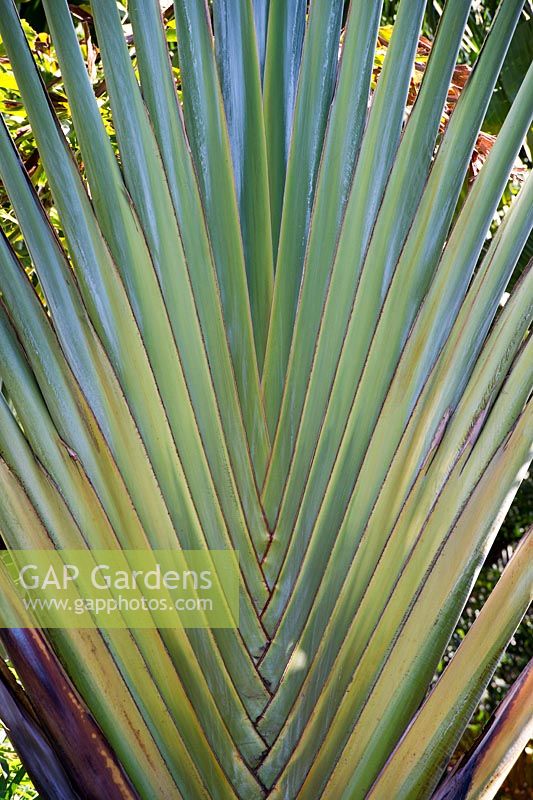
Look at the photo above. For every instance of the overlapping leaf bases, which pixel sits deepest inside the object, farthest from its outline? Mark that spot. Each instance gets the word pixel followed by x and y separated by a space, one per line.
pixel 273 324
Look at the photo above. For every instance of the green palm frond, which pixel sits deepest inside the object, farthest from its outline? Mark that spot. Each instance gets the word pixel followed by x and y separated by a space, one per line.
pixel 267 317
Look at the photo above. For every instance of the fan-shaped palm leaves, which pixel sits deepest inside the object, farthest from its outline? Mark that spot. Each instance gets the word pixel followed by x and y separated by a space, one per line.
pixel 269 327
